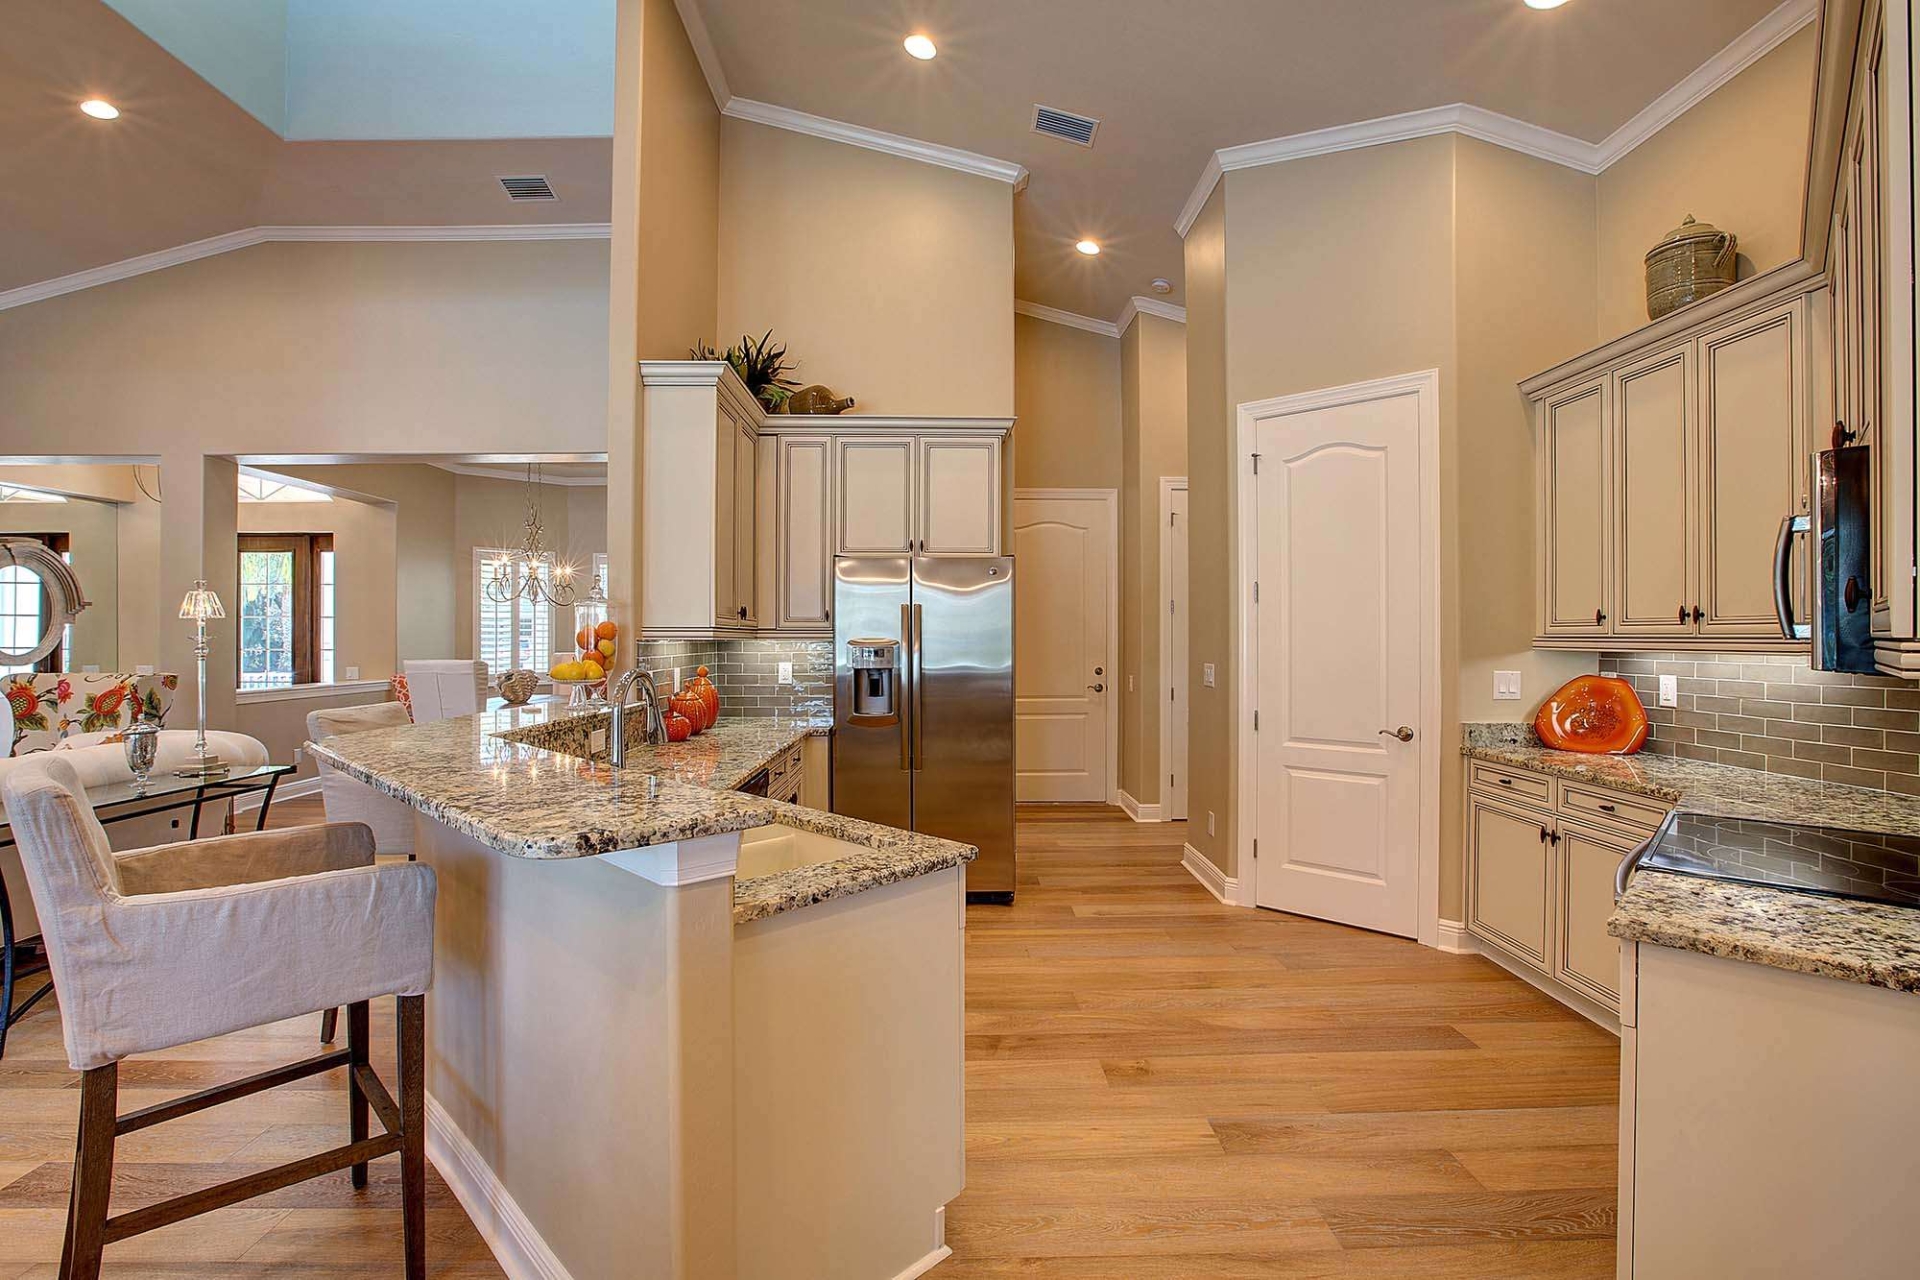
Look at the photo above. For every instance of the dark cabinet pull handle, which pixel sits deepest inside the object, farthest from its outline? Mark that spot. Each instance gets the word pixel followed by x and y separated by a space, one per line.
pixel 1698 613
pixel 1506 782
pixel 1606 808
pixel 1683 613
pixel 1554 836
pixel 1598 617
pixel 1543 833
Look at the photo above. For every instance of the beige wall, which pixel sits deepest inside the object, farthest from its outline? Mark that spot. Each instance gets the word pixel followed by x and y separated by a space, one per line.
pixel 1737 160
pixel 889 280
pixel 1153 399
pixel 490 513
pixel 1067 400
pixel 1210 475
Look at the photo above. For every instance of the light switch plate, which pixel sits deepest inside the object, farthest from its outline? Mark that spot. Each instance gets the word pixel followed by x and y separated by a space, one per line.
pixel 1506 686
pixel 1206 674
pixel 1669 691
pixel 353 673
pixel 786 673
pixel 1209 822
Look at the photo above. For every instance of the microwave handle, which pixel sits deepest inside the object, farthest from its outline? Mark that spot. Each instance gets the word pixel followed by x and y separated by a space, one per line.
pixel 1783 575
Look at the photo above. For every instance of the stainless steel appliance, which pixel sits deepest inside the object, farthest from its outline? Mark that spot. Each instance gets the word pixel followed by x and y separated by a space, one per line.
pixel 1841 626
pixel 1837 862
pixel 923 702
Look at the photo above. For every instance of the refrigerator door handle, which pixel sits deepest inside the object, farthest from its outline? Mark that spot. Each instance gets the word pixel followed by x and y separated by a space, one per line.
pixel 919 670
pixel 909 690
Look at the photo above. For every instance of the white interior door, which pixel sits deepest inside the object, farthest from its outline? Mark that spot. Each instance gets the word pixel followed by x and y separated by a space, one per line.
pixel 1173 663
pixel 1338 650
pixel 1063 644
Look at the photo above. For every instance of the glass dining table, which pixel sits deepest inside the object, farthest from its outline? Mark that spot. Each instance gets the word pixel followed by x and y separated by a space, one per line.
pixel 22 958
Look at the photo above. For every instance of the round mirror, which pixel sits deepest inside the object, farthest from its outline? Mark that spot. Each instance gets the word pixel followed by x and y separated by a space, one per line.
pixel 57 586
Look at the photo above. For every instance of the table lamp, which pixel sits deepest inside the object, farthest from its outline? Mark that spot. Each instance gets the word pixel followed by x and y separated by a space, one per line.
pixel 200 604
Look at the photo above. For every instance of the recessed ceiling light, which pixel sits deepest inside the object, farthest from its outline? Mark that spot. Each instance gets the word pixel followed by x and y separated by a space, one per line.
pixel 1545 4
pixel 100 109
pixel 1088 247
pixel 1163 286
pixel 921 47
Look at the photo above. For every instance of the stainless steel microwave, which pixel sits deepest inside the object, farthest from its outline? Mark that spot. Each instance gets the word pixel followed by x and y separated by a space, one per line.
pixel 1841 625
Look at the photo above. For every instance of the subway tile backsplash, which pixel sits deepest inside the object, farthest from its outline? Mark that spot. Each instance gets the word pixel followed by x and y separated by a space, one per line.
pixel 1774 712
pixel 747 671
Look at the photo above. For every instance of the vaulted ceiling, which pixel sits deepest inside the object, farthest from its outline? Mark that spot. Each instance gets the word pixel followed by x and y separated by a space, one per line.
pixel 1173 80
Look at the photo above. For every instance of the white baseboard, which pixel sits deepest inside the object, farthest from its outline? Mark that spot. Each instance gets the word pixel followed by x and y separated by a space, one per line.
pixel 285 791
pixel 1139 812
pixel 1212 879
pixel 1453 937
pixel 926 1264
pixel 516 1246
pixel 1596 1014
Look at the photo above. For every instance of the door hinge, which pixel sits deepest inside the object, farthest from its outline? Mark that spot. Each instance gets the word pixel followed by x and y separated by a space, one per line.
pixel 1173 695
pixel 1169 779
pixel 1169 519
pixel 1256 848
pixel 1256 591
pixel 1256 722
pixel 1169 608
pixel 1256 464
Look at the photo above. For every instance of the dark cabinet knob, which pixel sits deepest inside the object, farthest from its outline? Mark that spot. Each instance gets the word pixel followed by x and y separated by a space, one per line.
pixel 1698 613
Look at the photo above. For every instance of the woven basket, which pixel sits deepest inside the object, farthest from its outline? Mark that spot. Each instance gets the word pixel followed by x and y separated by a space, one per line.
pixel 1691 262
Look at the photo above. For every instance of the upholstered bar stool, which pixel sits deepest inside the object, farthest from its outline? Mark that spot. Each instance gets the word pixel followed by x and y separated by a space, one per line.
pixel 162 947
pixel 350 800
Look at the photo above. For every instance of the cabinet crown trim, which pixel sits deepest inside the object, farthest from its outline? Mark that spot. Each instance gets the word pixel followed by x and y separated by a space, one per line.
pixel 716 373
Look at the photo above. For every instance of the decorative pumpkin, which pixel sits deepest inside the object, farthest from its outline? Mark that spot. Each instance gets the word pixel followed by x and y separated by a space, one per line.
pixel 687 705
pixel 679 728
pixel 702 688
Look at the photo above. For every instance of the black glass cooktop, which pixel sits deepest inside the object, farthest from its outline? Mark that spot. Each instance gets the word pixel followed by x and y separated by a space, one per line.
pixel 1787 855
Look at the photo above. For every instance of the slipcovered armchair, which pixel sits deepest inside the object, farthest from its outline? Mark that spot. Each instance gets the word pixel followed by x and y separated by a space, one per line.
pixel 162 947
pixel 350 800
pixel 446 687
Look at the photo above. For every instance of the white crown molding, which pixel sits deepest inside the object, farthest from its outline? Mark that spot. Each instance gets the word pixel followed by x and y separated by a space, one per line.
pixel 1138 306
pixel 1071 319
pixel 892 144
pixel 1505 131
pixel 695 24
pixel 485 473
pixel 212 246
pixel 1755 43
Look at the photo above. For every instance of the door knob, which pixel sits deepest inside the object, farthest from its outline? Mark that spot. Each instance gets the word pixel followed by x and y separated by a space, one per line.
pixel 1098 688
pixel 1404 733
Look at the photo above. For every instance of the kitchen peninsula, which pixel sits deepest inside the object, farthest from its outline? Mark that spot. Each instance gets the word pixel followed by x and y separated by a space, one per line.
pixel 677 1030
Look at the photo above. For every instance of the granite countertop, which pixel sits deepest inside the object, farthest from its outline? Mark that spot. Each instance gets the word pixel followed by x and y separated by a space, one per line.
pixel 1877 944
pixel 505 777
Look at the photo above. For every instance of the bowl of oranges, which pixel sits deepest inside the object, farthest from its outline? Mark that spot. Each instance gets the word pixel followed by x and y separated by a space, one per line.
pixel 586 675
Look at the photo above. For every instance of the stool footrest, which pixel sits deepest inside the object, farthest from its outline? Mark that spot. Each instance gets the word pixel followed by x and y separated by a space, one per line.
pixel 134 1121
pixel 168 1212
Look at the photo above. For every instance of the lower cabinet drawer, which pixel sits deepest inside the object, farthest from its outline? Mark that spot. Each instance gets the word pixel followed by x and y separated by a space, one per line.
pixel 1509 879
pixel 1611 806
pixel 1510 782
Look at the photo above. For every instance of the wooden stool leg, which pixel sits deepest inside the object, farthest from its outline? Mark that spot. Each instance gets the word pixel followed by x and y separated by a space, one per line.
pixel 357 1037
pixel 413 1128
pixel 329 1025
pixel 92 1175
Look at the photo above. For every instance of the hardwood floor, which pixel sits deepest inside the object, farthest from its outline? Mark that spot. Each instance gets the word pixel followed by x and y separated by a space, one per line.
pixel 1162 1086
pixel 1158 1086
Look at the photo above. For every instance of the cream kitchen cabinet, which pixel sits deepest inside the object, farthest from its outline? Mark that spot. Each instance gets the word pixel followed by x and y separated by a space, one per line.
pixel 1541 854
pixel 803 547
pixel 933 494
pixel 698 502
pixel 1665 466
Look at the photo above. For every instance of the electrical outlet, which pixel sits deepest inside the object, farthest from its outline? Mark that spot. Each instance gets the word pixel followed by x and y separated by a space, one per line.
pixel 92 669
pixel 1129 684
pixel 673 680
pixel 1206 674
pixel 143 670
pixel 299 754
pixel 1506 686
pixel 786 673
pixel 1209 822
pixel 1669 691
pixel 597 740
pixel 353 673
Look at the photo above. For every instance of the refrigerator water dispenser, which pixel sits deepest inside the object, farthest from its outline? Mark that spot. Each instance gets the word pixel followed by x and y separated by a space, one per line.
pixel 872 662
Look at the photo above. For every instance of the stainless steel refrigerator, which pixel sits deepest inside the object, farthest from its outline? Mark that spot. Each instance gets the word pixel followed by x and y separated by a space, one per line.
pixel 923 702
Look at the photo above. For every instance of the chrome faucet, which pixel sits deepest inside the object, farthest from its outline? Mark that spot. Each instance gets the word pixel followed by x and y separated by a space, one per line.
pixel 656 725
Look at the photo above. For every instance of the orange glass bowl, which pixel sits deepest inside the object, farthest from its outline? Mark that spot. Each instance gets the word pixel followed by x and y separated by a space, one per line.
pixel 1600 715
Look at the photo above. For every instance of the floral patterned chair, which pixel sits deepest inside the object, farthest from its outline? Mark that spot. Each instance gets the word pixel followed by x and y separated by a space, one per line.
pixel 50 706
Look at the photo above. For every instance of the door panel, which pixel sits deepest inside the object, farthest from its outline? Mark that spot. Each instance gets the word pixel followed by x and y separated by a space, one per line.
pixel 872 768
pixel 1655 592
pixel 1574 486
pixel 805 549
pixel 1507 878
pixel 1173 806
pixel 874 495
pixel 745 526
pixel 1752 445
pixel 726 598
pixel 960 496
pixel 1338 656
pixel 1585 956
pixel 1064 548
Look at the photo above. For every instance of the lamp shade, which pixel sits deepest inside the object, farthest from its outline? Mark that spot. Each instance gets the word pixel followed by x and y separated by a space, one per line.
pixel 201 603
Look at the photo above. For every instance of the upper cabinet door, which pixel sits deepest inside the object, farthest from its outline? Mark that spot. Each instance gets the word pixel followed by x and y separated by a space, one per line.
pixel 1575 486
pixel 1754 404
pixel 805 542
pixel 873 482
pixel 1654 588
pixel 726 598
pixel 745 526
pixel 959 496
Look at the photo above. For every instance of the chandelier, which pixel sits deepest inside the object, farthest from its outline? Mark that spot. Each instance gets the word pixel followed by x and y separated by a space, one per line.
pixel 531 571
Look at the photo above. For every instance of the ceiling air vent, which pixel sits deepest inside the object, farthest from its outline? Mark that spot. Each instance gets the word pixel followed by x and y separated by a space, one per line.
pixel 530 188
pixel 1078 130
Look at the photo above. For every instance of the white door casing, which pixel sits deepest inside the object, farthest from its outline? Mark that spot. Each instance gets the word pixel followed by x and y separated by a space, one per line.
pixel 1172 692
pixel 1339 608
pixel 1065 542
